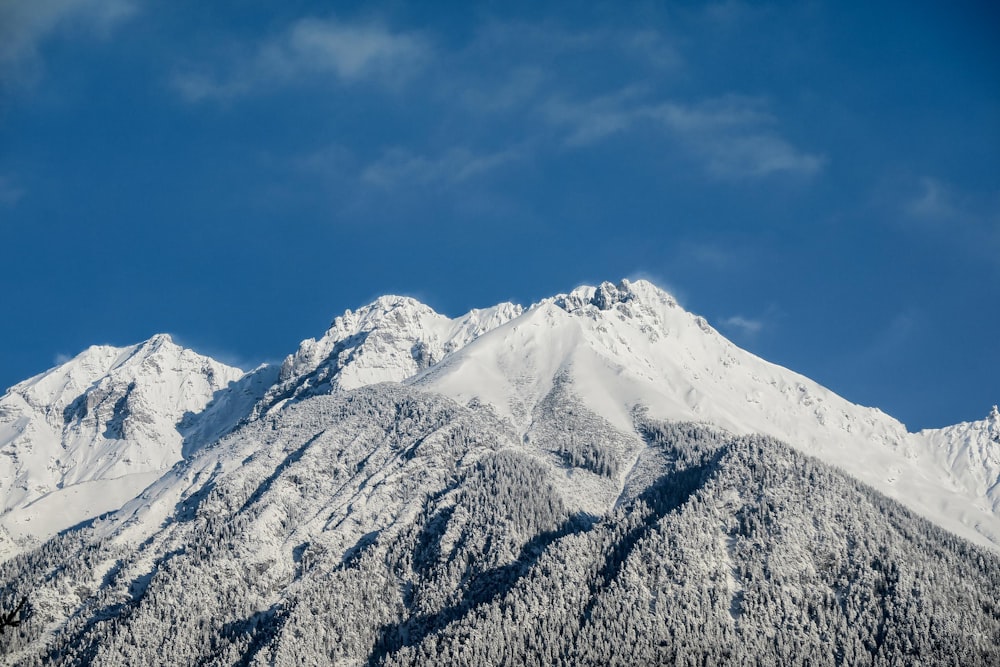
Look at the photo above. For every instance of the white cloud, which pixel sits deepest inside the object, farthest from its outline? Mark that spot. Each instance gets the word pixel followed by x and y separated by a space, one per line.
pixel 733 137
pixel 453 166
pixel 540 42
pixel 25 24
pixel 311 47
pixel 745 325
pixel 595 119
pixel 754 155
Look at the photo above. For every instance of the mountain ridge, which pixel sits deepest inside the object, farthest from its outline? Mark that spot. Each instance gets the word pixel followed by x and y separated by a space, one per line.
pixel 617 347
pixel 80 439
pixel 599 475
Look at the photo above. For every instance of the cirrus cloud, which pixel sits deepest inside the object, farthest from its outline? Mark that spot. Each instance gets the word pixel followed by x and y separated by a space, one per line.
pixel 310 47
pixel 24 26
pixel 733 137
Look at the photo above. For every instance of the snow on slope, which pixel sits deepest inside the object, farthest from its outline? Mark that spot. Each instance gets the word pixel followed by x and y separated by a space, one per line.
pixel 86 436
pixel 130 413
pixel 388 340
pixel 631 345
pixel 971 451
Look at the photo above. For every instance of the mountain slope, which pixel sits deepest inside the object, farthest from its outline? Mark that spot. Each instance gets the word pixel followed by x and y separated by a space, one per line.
pixel 389 340
pixel 86 436
pixel 599 477
pixel 615 348
pixel 971 452
pixel 631 346
pixel 390 526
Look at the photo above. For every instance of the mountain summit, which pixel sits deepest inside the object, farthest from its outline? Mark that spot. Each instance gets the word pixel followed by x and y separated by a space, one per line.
pixel 601 474
pixel 84 437
pixel 619 348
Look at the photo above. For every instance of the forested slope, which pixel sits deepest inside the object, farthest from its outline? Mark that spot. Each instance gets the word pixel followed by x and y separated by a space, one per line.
pixel 390 526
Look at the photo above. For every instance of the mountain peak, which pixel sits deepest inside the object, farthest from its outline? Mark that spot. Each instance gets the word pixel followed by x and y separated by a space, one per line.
pixel 607 295
pixel 390 339
pixel 381 306
pixel 158 341
pixel 109 413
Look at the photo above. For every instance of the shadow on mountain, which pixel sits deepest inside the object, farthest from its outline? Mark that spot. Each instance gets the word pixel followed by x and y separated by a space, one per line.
pixel 666 494
pixel 229 407
pixel 483 588
pixel 288 461
pixel 320 380
pixel 256 631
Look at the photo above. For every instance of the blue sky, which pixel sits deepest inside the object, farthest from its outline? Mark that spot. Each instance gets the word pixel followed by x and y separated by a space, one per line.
pixel 821 180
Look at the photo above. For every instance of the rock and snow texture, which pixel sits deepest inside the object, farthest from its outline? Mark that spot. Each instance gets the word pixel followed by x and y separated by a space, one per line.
pixel 568 375
pixel 389 340
pixel 970 451
pixel 630 346
pixel 86 436
pixel 391 526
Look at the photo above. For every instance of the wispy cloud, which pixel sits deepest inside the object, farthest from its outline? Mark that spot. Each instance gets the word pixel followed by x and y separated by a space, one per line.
pixel 399 166
pixel 25 24
pixel 744 325
pixel 547 40
pixel 652 47
pixel 349 53
pixel 888 341
pixel 734 137
pixel 709 255
pixel 592 120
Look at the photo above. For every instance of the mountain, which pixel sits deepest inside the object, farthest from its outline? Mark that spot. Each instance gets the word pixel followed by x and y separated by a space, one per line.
pixel 600 478
pixel 84 437
pixel 971 451
pixel 392 526
pixel 389 340
pixel 631 345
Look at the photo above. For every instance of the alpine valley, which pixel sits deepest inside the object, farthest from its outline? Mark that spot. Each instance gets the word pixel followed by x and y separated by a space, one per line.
pixel 598 479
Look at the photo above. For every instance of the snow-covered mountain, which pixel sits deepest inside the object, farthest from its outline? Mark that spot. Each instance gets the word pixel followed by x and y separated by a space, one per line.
pixel 970 452
pixel 408 487
pixel 389 340
pixel 84 437
pixel 628 346
pixel 392 526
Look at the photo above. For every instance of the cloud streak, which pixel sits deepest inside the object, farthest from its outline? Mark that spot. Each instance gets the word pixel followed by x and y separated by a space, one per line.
pixel 745 325
pixel 733 137
pixel 24 26
pixel 454 166
pixel 347 53
pixel 934 202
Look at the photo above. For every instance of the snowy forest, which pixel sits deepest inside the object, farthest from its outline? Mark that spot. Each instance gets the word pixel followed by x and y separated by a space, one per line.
pixel 390 526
